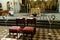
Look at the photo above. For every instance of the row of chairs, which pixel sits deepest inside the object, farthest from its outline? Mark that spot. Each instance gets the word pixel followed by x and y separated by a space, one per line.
pixel 29 29
pixel 24 21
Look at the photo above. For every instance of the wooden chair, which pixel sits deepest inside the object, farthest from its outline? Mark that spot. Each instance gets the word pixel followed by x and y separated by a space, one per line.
pixel 17 29
pixel 29 29
pixel 14 29
pixel 20 21
pixel 5 12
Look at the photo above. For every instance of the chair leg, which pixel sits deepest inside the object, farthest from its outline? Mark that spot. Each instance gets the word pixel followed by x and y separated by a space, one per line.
pixel 32 36
pixel 17 35
pixel 23 36
pixel 9 34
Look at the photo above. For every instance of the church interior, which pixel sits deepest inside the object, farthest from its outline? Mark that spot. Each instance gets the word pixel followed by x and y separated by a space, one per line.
pixel 29 19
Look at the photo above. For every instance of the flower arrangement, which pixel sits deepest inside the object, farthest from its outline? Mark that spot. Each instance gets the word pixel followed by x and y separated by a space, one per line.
pixel 34 14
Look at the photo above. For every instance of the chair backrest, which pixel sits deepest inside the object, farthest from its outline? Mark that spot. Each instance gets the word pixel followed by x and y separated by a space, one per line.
pixel 31 21
pixel 20 21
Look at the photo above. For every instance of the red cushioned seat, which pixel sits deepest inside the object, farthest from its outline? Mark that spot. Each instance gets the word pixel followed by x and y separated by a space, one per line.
pixel 28 29
pixel 31 26
pixel 15 29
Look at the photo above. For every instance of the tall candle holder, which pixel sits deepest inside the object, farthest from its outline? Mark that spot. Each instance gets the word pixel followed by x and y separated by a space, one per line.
pixel 50 20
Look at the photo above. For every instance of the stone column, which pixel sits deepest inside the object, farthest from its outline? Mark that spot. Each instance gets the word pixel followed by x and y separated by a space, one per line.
pixel 18 5
pixel 15 6
pixel 59 5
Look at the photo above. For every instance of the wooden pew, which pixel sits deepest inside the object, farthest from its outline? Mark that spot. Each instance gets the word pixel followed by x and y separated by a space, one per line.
pixel 4 12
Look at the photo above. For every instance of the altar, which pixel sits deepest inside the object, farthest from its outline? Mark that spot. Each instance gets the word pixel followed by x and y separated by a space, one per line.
pixel 37 10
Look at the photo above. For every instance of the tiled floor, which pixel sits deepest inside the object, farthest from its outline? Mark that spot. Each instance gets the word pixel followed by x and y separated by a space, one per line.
pixel 3 31
pixel 41 33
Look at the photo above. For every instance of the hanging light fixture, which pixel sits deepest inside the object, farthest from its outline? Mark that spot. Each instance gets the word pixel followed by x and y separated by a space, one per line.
pixel 50 0
pixel 35 0
pixel 46 0
pixel 30 0
pixel 40 0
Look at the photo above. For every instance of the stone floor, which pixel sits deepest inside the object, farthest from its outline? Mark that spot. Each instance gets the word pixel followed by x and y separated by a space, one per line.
pixel 3 31
pixel 41 34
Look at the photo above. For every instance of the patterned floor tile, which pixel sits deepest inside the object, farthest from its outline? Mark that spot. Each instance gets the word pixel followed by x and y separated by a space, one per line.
pixel 41 34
